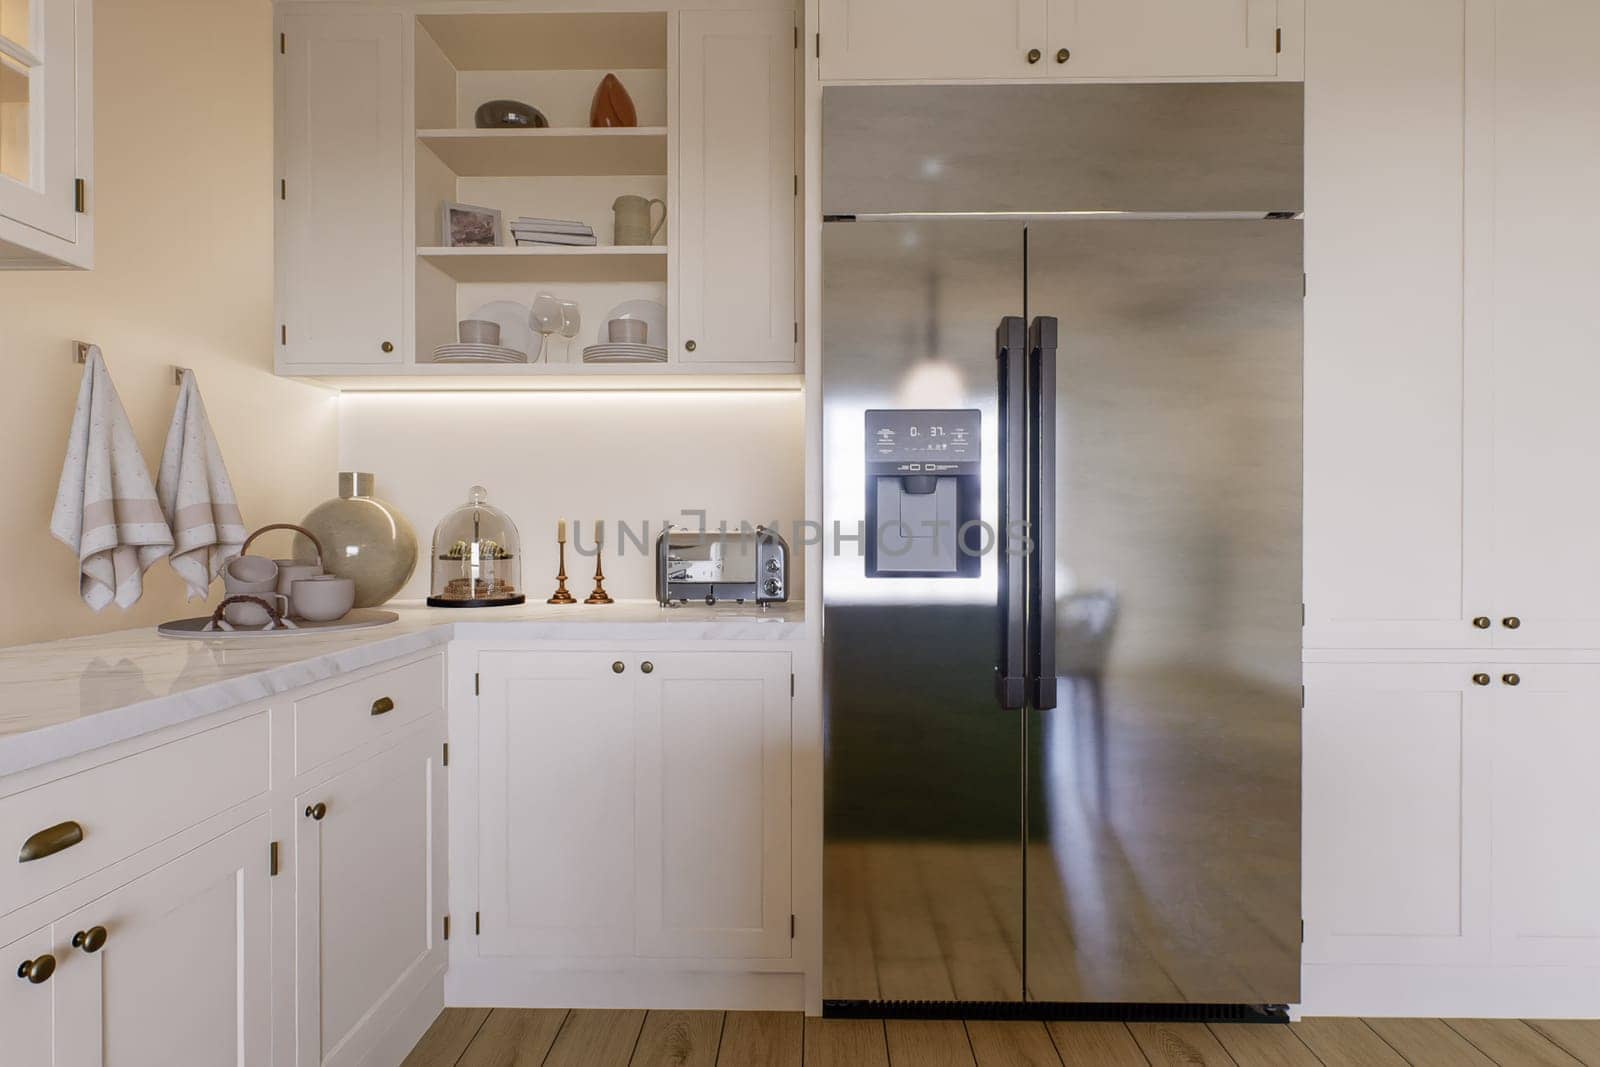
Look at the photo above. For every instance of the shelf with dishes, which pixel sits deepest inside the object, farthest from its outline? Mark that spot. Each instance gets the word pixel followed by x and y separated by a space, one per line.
pixel 489 153
pixel 641 263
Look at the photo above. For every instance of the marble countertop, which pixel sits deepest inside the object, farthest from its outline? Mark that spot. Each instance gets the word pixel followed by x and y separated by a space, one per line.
pixel 62 698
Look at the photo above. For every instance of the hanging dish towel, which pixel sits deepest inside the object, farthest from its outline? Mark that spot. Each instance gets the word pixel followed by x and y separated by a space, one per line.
pixel 196 495
pixel 106 509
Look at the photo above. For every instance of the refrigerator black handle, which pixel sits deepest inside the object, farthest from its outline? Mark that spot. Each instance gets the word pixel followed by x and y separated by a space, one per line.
pixel 1011 359
pixel 1041 667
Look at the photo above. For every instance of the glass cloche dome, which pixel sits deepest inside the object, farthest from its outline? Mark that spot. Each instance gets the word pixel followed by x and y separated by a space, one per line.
pixel 477 556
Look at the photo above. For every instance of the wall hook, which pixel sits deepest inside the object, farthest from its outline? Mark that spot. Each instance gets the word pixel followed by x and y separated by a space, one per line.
pixel 80 351
pixel 177 375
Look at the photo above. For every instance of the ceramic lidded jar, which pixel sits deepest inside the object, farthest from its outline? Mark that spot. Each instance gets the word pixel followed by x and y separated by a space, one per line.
pixel 477 556
pixel 363 538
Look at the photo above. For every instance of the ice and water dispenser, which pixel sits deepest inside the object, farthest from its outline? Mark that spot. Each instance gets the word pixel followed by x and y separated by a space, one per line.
pixel 923 494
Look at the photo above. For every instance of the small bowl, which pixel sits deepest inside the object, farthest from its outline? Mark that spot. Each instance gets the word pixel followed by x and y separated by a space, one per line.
pixel 628 331
pixel 323 598
pixel 478 332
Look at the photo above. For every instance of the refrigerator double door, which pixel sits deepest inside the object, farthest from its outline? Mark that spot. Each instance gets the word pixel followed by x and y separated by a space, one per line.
pixel 1139 842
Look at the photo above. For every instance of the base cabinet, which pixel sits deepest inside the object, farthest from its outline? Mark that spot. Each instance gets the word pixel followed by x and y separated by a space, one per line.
pixel 30 1010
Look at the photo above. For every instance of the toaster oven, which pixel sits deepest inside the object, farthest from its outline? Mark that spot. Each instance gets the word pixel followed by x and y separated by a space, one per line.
pixel 740 566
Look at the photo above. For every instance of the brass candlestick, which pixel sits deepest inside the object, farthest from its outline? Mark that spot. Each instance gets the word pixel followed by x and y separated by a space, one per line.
pixel 599 596
pixel 561 596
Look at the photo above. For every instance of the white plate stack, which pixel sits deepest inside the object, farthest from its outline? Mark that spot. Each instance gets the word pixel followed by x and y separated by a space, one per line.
pixel 471 353
pixel 621 352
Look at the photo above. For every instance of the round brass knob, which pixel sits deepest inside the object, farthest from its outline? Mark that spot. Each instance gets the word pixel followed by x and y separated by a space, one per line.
pixel 1034 55
pixel 1063 54
pixel 38 971
pixel 647 666
pixel 317 811
pixel 1480 679
pixel 1481 622
pixel 1511 622
pixel 90 940
pixel 1511 679
pixel 387 346
pixel 688 346
pixel 618 667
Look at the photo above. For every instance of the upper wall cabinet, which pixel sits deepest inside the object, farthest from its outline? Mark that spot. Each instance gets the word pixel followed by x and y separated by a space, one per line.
pixel 1115 40
pixel 735 262
pixel 1448 431
pixel 46 143
pixel 342 162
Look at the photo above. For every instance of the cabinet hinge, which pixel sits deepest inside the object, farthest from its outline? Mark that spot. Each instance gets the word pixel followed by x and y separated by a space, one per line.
pixel 819 46
pixel 477 922
pixel 1302 698
pixel 1279 45
pixel 283 44
pixel 791 685
pixel 283 188
pixel 283 334
pixel 791 927
pixel 447 927
pixel 272 860
pixel 80 196
pixel 476 681
pixel 447 753
pixel 1302 613
pixel 1302 931
pixel 797 185
pixel 1305 285
pixel 797 37
pixel 797 333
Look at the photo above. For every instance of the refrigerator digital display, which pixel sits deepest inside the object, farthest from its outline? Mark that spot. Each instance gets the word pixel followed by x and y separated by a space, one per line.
pixel 894 436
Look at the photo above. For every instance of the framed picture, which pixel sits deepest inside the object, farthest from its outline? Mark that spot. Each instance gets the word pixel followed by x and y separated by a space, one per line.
pixel 468 225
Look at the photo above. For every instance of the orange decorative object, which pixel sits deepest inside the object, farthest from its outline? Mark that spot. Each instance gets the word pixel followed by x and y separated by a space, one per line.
pixel 612 106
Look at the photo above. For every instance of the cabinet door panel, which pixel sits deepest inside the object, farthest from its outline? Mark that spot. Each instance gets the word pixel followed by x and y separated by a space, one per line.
pixel 1546 168
pixel 28 1012
pixel 1164 38
pixel 342 151
pixel 713 805
pixel 1394 538
pixel 365 914
pixel 931 39
pixel 184 974
pixel 555 836
pixel 1546 793
pixel 733 235
pixel 39 116
pixel 1396 813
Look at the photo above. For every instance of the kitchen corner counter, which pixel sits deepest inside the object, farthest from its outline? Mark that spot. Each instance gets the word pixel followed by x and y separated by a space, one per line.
pixel 62 698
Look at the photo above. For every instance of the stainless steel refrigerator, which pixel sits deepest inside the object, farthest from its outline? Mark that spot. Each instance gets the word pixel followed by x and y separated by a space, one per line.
pixel 1062 777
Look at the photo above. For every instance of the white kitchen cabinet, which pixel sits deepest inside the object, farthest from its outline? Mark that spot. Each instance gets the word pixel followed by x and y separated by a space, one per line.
pixel 1396 813
pixel 343 157
pixel 369 905
pixel 634 804
pixel 732 274
pixel 183 972
pixel 712 814
pixel 1039 40
pixel 46 133
pixel 1546 730
pixel 31 1012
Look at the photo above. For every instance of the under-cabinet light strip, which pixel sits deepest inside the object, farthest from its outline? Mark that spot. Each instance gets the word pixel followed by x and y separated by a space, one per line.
pixel 687 392
pixel 1046 216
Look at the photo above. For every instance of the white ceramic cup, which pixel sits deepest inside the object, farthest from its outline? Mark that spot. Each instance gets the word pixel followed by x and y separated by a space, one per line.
pixel 291 571
pixel 628 331
pixel 478 332
pixel 249 569
pixel 323 598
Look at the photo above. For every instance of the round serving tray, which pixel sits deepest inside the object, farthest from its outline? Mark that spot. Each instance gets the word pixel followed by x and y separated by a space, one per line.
pixel 497 602
pixel 195 629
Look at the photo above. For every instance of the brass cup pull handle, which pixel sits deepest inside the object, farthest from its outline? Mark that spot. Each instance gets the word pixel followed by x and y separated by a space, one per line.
pixel 38 971
pixel 1481 622
pixel 50 840
pixel 383 705
pixel 90 940
pixel 647 666
pixel 1063 54
pixel 1511 622
pixel 1034 55
pixel 317 811
pixel 1511 679
pixel 1480 679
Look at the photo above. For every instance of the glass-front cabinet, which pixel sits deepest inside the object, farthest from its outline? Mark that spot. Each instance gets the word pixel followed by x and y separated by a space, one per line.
pixel 45 148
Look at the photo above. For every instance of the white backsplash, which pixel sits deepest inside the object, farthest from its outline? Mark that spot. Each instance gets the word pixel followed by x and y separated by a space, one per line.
pixel 581 455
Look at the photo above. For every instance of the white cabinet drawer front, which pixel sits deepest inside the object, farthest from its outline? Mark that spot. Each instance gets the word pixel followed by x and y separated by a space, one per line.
pixel 28 1011
pixel 341 720
pixel 1395 814
pixel 128 804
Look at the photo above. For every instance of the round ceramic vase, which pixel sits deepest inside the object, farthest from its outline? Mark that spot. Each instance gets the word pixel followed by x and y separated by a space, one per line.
pixel 363 539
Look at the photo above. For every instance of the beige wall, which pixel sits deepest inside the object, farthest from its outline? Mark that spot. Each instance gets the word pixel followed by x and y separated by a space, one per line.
pixel 183 275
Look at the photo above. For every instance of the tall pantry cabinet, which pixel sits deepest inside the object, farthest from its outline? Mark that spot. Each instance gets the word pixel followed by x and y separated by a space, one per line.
pixel 1452 540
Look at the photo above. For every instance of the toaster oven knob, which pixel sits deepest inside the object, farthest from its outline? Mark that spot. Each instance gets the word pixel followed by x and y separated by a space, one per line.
pixel 773 566
pixel 773 587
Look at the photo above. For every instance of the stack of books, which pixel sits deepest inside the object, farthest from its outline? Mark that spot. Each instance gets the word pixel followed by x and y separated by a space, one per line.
pixel 531 231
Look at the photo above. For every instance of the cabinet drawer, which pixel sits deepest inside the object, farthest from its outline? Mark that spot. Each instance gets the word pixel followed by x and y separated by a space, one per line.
pixel 128 804
pixel 341 720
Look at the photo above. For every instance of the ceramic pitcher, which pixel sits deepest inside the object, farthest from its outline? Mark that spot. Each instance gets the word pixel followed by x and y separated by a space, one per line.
pixel 633 220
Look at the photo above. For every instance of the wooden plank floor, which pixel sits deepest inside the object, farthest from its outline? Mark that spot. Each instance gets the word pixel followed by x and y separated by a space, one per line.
pixel 509 1037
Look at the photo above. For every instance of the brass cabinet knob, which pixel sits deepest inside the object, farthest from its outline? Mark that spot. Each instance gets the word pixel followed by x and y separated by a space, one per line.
pixel 618 667
pixel 387 346
pixel 38 971
pixel 1511 679
pixel 90 940
pixel 1063 54
pixel 688 346
pixel 1034 55
pixel 1511 622
pixel 317 811
pixel 382 705
pixel 1481 622
pixel 1480 679
pixel 647 666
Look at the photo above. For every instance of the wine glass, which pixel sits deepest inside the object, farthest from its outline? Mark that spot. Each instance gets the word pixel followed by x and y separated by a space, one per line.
pixel 545 318
pixel 571 323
